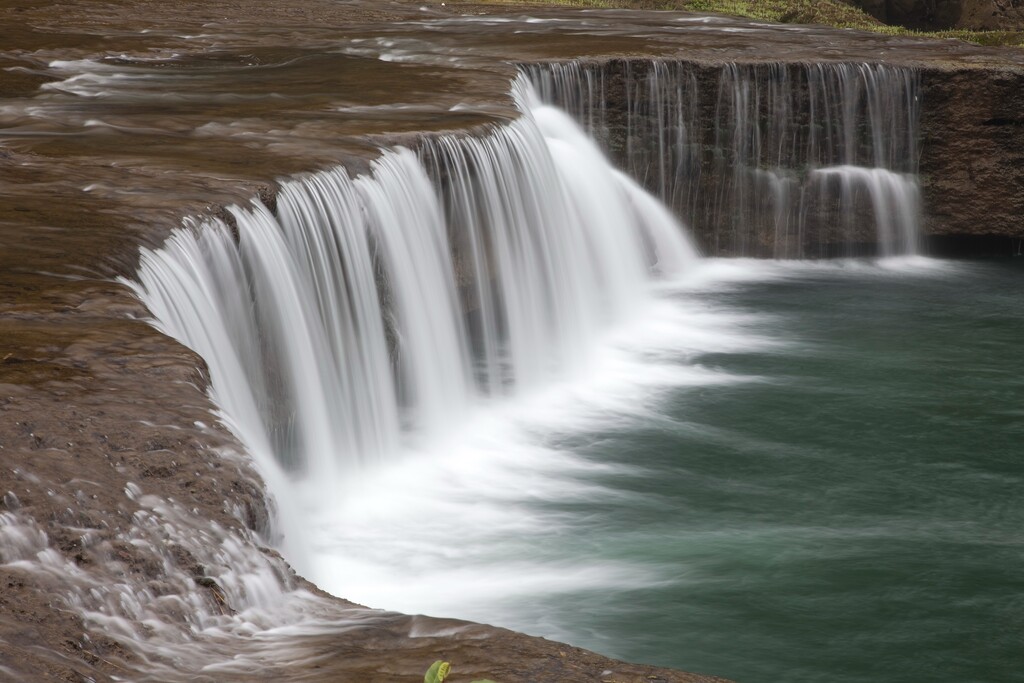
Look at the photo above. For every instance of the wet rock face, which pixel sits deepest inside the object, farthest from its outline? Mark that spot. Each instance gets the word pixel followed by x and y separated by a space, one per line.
pixel 972 153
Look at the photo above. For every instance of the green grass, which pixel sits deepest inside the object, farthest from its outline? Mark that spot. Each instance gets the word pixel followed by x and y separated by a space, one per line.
pixel 825 12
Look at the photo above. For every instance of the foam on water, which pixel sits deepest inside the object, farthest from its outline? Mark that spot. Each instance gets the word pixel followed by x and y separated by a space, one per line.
pixel 462 529
pixel 482 526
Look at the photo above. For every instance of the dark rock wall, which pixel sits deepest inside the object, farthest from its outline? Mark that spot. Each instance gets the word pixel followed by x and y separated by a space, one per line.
pixel 919 14
pixel 945 14
pixel 972 153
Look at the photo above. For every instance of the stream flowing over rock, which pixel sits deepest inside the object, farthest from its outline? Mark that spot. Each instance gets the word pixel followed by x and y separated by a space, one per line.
pixel 300 192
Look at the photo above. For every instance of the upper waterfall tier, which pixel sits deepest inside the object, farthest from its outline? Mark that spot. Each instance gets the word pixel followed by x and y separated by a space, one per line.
pixel 781 160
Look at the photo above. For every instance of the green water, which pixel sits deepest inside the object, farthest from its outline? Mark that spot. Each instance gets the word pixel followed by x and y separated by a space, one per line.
pixel 854 514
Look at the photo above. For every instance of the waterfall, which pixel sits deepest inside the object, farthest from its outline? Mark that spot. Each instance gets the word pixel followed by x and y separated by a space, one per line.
pixel 370 314
pixel 761 159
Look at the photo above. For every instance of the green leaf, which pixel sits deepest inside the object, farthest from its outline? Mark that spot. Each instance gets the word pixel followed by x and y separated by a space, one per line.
pixel 437 672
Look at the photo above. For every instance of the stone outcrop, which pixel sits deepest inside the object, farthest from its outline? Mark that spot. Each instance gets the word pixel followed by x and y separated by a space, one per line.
pixel 998 15
pixel 1004 15
pixel 972 153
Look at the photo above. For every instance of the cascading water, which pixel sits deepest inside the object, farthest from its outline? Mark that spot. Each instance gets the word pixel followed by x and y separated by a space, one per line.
pixel 464 376
pixel 762 159
pixel 373 315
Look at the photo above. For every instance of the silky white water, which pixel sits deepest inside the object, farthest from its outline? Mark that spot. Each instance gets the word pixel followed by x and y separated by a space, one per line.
pixel 481 524
pixel 387 345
